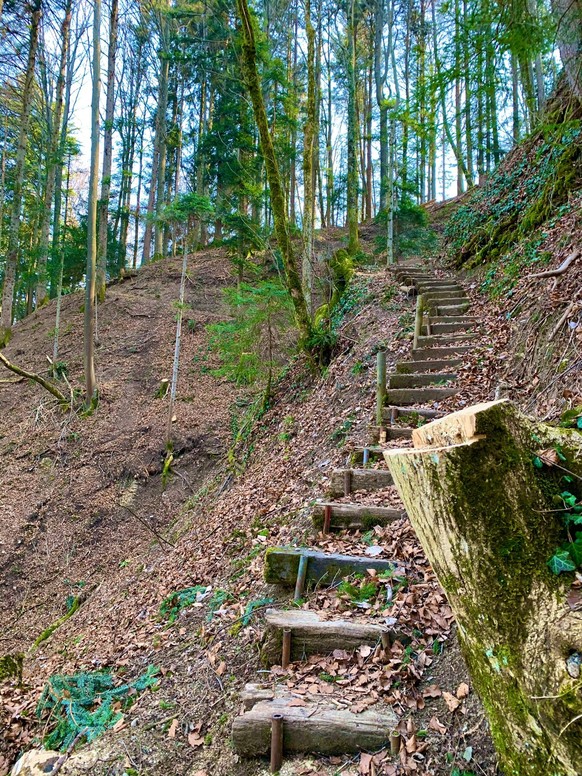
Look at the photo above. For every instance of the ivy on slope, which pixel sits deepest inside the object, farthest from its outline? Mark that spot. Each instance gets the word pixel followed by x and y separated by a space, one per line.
pixel 521 195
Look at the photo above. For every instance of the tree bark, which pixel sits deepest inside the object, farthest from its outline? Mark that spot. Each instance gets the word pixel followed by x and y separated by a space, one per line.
pixel 568 16
pixel 352 172
pixel 90 287
pixel 103 205
pixel 12 252
pixel 484 515
pixel 253 82
pixel 310 135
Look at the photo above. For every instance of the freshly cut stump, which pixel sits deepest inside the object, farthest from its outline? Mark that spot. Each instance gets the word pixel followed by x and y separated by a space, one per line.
pixel 311 635
pixel 281 566
pixel 485 515
pixel 317 727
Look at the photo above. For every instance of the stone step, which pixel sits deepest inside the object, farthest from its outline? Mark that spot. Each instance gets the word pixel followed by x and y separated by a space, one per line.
pixel 419 379
pixel 442 340
pixel 446 328
pixel 412 367
pixel 282 565
pixel 354 516
pixel 419 395
pixel 424 354
pixel 346 481
pixel 312 635
pixel 316 725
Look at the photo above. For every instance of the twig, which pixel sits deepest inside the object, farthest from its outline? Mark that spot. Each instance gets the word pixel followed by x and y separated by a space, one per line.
pixel 64 757
pixel 560 323
pixel 158 536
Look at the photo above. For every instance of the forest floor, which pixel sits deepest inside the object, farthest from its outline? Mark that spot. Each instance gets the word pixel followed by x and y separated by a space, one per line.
pixel 84 507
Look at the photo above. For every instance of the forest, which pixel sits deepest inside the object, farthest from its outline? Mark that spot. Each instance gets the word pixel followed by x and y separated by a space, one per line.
pixel 291 387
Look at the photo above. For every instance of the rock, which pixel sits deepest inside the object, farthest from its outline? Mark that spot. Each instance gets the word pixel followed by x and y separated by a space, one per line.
pixel 35 762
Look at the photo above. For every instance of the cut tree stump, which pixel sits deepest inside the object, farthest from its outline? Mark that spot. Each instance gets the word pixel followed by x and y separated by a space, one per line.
pixel 424 354
pixel 418 380
pixel 418 395
pixel 312 635
pixel 317 726
pixel 412 367
pixel 485 516
pixel 354 516
pixel 359 479
pixel 281 566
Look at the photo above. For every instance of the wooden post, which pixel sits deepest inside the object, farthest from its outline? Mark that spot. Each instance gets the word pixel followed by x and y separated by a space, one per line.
pixel 380 385
pixel 347 482
pixel 301 576
pixel 327 518
pixel 418 320
pixel 276 742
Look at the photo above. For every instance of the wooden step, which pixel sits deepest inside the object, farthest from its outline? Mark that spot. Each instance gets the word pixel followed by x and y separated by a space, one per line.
pixel 424 412
pixel 318 726
pixel 442 340
pixel 374 453
pixel 438 285
pixel 390 432
pixel 446 328
pixel 311 635
pixel 412 367
pixel 346 481
pixel 441 295
pixel 419 395
pixel 455 309
pixel 423 354
pixel 354 516
pixel 282 564
pixel 419 380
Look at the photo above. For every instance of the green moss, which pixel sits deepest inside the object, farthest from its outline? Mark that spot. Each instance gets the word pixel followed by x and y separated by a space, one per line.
pixel 11 667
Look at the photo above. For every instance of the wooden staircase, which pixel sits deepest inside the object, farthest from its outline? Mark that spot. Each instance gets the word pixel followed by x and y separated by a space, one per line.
pixel 275 719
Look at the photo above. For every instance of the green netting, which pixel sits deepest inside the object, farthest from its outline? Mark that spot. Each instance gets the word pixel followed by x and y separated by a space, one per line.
pixel 87 704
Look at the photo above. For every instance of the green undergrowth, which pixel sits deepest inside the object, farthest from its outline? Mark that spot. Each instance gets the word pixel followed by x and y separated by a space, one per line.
pixel 503 222
pixel 85 705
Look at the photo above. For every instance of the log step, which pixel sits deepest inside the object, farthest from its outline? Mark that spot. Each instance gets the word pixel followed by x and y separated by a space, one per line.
pixel 439 340
pixel 410 367
pixel 435 296
pixel 424 354
pixel 317 727
pixel 354 516
pixel 390 432
pixel 419 395
pixel 310 635
pixel 456 309
pixel 420 380
pixel 446 328
pixel 438 285
pixel 406 412
pixel 345 481
pixel 281 566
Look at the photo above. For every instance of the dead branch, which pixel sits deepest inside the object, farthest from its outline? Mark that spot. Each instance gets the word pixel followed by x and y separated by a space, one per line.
pixel 551 273
pixel 36 378
pixel 158 536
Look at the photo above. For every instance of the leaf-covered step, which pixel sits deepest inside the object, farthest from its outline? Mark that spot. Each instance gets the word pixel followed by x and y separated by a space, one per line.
pixel 389 432
pixel 312 635
pixel 448 309
pixel 309 725
pixel 424 354
pixel 442 365
pixel 436 327
pixel 345 481
pixel 282 565
pixel 438 285
pixel 418 395
pixel 420 380
pixel 440 296
pixel 442 340
pixel 353 516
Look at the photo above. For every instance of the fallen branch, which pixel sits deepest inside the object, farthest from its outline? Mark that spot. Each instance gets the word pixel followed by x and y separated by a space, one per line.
pixel 36 378
pixel 551 273
pixel 158 536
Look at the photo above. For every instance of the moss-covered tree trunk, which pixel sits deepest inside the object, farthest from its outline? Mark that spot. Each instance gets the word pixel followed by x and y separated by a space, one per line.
pixel 253 83
pixel 487 521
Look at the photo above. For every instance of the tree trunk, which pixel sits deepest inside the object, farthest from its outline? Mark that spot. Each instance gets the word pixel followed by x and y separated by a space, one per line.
pixel 568 15
pixel 310 135
pixel 12 252
pixel 253 82
pixel 487 521
pixel 352 173
pixel 90 288
pixel 54 160
pixel 107 155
